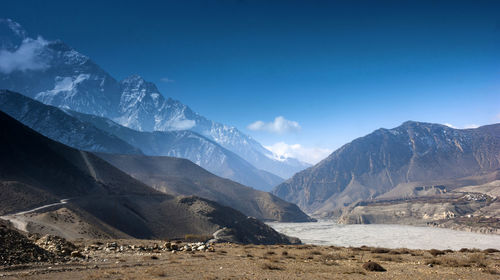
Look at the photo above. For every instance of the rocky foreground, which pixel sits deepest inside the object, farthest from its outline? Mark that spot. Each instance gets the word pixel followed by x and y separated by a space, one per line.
pixel 51 257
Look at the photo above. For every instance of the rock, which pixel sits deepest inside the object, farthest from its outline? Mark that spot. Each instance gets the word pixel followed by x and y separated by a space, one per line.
pixel 56 245
pixel 15 248
pixel 76 254
pixel 373 266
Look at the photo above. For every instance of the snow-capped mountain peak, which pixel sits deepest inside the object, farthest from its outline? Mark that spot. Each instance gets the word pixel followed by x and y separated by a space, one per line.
pixel 60 76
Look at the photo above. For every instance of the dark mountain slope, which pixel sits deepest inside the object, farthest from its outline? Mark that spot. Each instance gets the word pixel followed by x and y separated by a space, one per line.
pixel 373 165
pixel 105 195
pixel 182 177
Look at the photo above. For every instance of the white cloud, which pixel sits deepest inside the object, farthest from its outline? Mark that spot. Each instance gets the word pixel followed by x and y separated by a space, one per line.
pixel 182 124
pixel 467 126
pixel 167 80
pixel 280 125
pixel 471 126
pixel 26 57
pixel 310 155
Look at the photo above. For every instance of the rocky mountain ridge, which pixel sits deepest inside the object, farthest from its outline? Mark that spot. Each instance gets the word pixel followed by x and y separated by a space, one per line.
pixel 375 164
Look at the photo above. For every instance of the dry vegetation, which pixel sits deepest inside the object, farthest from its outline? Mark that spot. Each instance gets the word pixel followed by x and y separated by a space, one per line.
pixel 230 261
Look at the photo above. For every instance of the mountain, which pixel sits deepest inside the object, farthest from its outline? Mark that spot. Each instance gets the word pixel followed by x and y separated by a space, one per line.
pixel 98 134
pixel 36 171
pixel 386 159
pixel 182 177
pixel 56 74
pixel 189 145
pixel 59 126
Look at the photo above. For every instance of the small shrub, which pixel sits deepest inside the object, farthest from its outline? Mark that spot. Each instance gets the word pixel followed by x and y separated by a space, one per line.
pixel 433 261
pixel 270 266
pixel 316 252
pixel 380 250
pixel 478 260
pixel 467 250
pixel 491 250
pixel 373 266
pixel 154 257
pixel 284 253
pixel 365 248
pixel 270 253
pixel 435 252
pixel 402 251
pixel 387 258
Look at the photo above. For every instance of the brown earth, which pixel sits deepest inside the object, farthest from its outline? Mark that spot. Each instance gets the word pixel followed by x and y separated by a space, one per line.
pixel 139 259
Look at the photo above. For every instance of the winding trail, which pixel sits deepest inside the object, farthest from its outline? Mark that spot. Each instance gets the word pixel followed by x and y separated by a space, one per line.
pixel 19 222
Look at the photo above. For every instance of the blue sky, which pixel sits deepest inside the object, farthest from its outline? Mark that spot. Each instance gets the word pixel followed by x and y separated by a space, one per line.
pixel 334 70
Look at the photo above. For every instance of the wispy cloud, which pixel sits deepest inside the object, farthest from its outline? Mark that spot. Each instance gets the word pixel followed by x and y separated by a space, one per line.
pixel 280 125
pixel 26 57
pixel 471 126
pixel 167 80
pixel 467 126
pixel 310 155
pixel 182 124
pixel 450 125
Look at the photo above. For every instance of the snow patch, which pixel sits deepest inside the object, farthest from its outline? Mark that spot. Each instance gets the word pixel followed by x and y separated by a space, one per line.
pixel 62 85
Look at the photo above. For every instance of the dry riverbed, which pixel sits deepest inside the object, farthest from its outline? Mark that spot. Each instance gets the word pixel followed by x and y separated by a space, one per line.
pixel 148 259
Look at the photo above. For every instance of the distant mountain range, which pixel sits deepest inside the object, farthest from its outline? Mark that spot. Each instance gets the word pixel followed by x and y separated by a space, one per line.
pixel 59 126
pixel 98 134
pixel 182 177
pixel 167 174
pixel 100 200
pixel 58 75
pixel 387 159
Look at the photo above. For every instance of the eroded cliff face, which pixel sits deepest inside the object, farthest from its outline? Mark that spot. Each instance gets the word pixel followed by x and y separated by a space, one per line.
pixel 464 211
